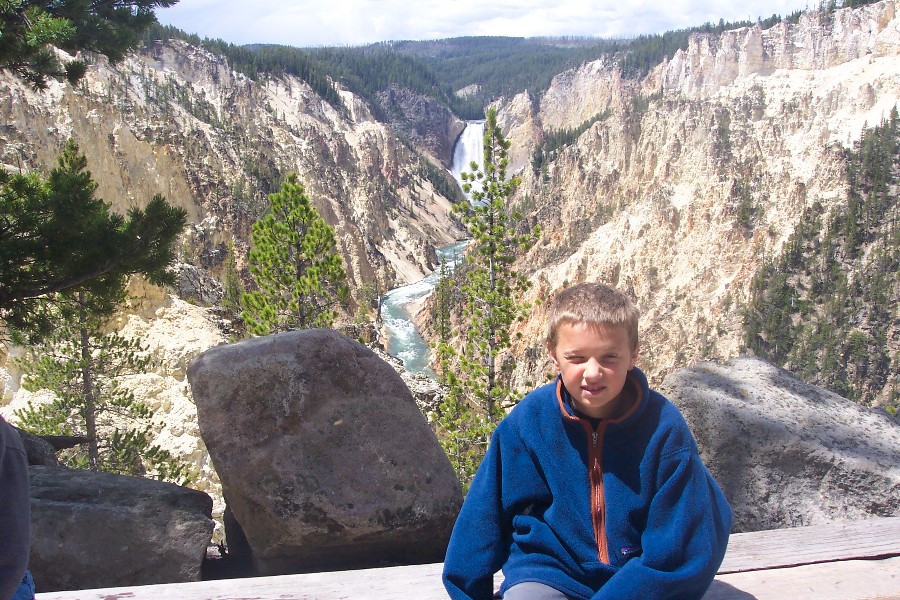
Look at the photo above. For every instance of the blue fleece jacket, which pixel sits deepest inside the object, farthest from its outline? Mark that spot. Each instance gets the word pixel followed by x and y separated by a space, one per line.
pixel 626 510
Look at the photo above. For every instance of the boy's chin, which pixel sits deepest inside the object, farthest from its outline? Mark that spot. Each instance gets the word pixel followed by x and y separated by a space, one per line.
pixel 600 407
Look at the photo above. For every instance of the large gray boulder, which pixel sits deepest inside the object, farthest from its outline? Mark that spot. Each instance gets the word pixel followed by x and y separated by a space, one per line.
pixel 324 458
pixel 787 453
pixel 97 530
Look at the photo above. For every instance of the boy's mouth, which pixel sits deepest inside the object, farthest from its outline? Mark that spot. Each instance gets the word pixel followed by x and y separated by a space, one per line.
pixel 592 390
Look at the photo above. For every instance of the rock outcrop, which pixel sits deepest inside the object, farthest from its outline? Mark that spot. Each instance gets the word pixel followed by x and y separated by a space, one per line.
pixel 324 458
pixel 428 125
pixel 787 453
pixel 38 450
pixel 97 530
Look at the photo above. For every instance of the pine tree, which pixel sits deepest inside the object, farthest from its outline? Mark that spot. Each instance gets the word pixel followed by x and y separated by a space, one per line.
pixel 65 264
pixel 489 286
pixel 232 286
pixel 296 266
pixel 443 291
pixel 30 29
pixel 83 369
pixel 56 236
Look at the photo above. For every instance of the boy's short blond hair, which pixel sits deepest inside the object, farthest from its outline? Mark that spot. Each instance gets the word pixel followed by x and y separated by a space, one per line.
pixel 593 304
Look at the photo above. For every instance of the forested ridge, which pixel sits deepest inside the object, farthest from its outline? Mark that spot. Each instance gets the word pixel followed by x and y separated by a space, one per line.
pixel 255 62
pixel 825 307
pixel 487 68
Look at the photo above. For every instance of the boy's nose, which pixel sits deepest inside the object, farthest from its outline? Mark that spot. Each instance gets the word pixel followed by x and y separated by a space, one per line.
pixel 592 370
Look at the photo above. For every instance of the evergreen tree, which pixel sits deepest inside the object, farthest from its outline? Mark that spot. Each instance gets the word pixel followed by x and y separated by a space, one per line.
pixel 30 29
pixel 443 291
pixel 296 266
pixel 56 236
pixel 823 308
pixel 232 286
pixel 83 367
pixel 489 286
pixel 65 264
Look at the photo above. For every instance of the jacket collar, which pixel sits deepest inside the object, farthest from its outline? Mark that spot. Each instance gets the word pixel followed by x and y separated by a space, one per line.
pixel 636 379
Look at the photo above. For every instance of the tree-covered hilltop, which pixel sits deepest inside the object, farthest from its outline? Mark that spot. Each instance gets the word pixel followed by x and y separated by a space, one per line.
pixel 494 67
pixel 464 74
pixel 255 62
pixel 826 307
pixel 368 70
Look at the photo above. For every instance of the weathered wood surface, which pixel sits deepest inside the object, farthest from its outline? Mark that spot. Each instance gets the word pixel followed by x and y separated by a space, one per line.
pixel 843 580
pixel 873 538
pixel 760 565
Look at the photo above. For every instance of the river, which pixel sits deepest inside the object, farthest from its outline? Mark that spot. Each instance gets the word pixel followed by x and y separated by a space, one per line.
pixel 403 338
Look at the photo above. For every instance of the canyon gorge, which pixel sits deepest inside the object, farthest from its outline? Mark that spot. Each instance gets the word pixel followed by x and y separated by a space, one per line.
pixel 648 197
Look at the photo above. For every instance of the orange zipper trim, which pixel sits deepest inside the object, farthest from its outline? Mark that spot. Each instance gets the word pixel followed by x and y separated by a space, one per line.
pixel 595 468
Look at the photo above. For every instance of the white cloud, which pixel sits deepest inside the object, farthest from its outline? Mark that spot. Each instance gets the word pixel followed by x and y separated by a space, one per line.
pixel 353 22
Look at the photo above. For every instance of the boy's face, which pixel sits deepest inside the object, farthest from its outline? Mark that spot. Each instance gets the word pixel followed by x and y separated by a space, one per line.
pixel 594 361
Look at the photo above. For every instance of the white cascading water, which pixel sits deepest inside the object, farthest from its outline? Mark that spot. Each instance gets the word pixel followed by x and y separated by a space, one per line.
pixel 469 147
pixel 403 339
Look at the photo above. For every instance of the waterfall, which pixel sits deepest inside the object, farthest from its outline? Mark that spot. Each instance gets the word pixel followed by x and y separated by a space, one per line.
pixel 403 339
pixel 469 147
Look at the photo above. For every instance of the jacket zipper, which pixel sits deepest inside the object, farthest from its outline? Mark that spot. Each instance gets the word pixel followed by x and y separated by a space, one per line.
pixel 595 472
pixel 598 501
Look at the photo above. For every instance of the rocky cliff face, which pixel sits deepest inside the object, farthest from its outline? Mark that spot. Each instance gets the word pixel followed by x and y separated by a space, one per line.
pixel 429 125
pixel 649 197
pixel 176 120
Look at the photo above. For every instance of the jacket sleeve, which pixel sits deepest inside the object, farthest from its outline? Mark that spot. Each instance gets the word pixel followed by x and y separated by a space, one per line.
pixel 15 513
pixel 685 539
pixel 478 545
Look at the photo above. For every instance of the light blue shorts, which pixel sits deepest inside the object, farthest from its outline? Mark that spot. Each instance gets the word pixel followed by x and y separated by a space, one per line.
pixel 531 590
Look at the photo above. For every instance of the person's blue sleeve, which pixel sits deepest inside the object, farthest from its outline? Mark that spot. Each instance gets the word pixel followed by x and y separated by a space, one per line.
pixel 15 510
pixel 685 539
pixel 478 546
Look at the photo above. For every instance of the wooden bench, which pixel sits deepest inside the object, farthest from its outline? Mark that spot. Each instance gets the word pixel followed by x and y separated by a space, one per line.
pixel 849 561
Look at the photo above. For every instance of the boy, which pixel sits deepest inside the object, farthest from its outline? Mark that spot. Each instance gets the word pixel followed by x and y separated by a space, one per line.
pixel 592 486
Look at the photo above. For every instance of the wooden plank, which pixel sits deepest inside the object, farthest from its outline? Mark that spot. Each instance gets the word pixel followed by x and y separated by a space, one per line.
pixel 847 580
pixel 422 582
pixel 765 565
pixel 872 538
pixel 844 580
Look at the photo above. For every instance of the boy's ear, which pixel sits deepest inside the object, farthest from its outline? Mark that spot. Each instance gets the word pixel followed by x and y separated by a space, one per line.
pixel 634 357
pixel 552 353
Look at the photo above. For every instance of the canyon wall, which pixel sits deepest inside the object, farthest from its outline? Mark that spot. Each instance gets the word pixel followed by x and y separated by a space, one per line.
pixel 648 198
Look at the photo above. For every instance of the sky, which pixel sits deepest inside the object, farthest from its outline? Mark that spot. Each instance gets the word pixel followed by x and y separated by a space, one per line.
pixel 356 22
